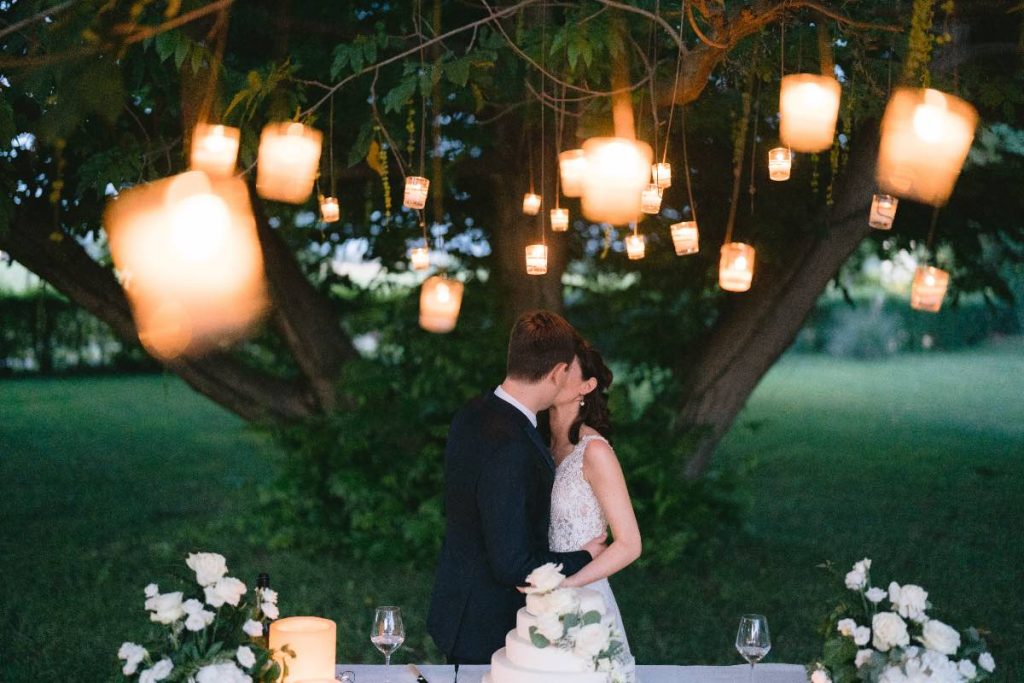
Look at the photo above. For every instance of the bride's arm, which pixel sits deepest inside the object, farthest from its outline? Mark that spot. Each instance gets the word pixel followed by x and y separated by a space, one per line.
pixel 601 468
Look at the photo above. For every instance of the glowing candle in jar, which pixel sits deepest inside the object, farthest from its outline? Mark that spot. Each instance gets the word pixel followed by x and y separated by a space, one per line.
pixel 416 189
pixel 926 136
pixel 883 211
pixel 531 204
pixel 650 199
pixel 736 267
pixel 536 259
pixel 636 247
pixel 808 109
pixel 214 149
pixel 440 301
pixel 330 210
pixel 780 162
pixel 928 289
pixel 572 166
pixel 419 258
pixel 311 639
pixel 288 159
pixel 618 170
pixel 559 220
pixel 662 175
pixel 685 238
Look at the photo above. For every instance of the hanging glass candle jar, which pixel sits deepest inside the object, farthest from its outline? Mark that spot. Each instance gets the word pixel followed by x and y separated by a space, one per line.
pixel 736 267
pixel 883 211
pixel 661 174
pixel 808 110
pixel 617 171
pixel 536 259
pixel 636 246
pixel 419 258
pixel 416 190
pixel 780 163
pixel 559 220
pixel 440 302
pixel 531 204
pixel 289 155
pixel 685 238
pixel 214 149
pixel 330 210
pixel 928 289
pixel 572 166
pixel 650 200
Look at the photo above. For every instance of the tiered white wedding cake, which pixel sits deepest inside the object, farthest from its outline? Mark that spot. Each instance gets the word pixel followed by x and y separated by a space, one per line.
pixel 563 635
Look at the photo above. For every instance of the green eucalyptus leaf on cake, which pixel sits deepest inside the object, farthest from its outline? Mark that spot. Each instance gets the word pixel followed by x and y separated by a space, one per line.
pixel 592 617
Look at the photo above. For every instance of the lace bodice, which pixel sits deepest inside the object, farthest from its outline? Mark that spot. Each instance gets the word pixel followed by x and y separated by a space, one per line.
pixel 576 515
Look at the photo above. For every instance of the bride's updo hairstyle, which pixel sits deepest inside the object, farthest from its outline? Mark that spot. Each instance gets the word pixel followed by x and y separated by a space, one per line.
pixel 594 411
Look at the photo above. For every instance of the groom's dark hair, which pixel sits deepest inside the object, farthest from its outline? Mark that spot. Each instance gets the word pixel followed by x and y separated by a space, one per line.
pixel 540 340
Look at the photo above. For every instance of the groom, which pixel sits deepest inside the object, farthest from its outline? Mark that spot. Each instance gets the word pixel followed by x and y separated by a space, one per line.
pixel 498 478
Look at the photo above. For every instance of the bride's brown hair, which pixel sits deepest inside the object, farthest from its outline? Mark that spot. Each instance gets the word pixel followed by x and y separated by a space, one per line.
pixel 594 412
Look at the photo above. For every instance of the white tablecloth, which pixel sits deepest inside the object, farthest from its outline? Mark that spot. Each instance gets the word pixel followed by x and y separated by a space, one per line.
pixel 765 673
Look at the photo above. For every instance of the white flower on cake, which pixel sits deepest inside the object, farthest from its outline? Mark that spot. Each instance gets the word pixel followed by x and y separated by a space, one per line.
pixel 986 662
pixel 209 567
pixel 245 656
pixel 562 601
pixel 940 637
pixel 159 672
pixel 225 672
pixel 592 640
pixel 166 608
pixel 910 601
pixel 889 631
pixel 550 626
pixel 132 655
pixel 545 578
pixel 876 594
pixel 227 590
pixel 253 628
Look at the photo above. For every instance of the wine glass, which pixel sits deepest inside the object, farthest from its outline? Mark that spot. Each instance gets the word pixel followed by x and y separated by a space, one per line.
pixel 752 639
pixel 387 635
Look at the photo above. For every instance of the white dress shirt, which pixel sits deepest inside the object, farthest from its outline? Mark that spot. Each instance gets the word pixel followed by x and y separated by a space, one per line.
pixel 508 398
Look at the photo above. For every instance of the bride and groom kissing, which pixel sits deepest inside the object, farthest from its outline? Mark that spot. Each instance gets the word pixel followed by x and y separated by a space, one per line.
pixel 530 479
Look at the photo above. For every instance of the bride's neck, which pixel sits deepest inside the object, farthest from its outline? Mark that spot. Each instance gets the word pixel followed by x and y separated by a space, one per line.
pixel 560 419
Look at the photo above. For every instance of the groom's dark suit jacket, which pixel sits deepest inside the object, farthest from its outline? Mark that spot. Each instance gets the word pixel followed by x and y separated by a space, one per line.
pixel 498 478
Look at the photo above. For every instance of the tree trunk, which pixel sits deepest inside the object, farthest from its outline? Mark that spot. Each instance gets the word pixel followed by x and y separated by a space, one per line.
pixel 757 327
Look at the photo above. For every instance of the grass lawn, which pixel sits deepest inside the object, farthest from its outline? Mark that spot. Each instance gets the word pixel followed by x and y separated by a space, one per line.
pixel 917 462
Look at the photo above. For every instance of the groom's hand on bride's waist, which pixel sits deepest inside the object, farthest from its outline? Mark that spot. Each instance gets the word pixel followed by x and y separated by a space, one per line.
pixel 596 546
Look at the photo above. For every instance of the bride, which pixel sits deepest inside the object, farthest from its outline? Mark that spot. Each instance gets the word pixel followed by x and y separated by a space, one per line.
pixel 589 495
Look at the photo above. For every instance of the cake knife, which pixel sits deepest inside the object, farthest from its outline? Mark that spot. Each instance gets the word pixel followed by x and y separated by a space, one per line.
pixel 416 672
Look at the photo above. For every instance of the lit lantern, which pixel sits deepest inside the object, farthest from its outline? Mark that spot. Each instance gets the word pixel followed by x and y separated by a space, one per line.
pixel 661 174
pixel 214 149
pixel 559 220
pixel 536 259
pixel 780 162
pixel 808 109
pixel 416 190
pixel 572 166
pixel 929 288
pixel 312 642
pixel 650 199
pixel 531 204
pixel 636 247
pixel 736 267
pixel 685 238
pixel 926 135
pixel 883 211
pixel 617 172
pixel 419 258
pixel 440 301
pixel 288 159
pixel 190 244
pixel 330 210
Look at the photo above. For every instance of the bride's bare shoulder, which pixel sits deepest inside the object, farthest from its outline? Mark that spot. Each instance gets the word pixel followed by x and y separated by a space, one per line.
pixel 598 451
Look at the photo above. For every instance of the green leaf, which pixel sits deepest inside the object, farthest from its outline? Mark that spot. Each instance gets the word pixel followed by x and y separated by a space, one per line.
pixel 396 99
pixel 591 617
pixel 7 128
pixel 180 52
pixel 165 44
pixel 537 639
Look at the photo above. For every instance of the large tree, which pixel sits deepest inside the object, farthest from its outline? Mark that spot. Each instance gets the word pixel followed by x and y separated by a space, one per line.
pixel 480 96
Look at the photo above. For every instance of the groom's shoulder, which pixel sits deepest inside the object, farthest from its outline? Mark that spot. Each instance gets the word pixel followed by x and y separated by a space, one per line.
pixel 484 414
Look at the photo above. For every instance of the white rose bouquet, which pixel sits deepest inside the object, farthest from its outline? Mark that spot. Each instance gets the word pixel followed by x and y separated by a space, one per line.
pixel 887 636
pixel 209 634
pixel 574 621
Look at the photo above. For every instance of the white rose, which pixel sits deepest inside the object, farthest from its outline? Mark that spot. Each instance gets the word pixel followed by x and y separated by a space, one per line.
pixel 856 580
pixel 151 590
pixel 592 601
pixel 245 656
pixel 209 567
pixel 592 640
pixel 863 657
pixel 545 578
pixel 889 631
pixel 132 655
pixel 846 627
pixel 940 637
pixel 562 601
pixel 159 672
pixel 875 595
pixel 166 608
pixel 967 669
pixel 550 626
pixel 940 667
pixel 862 636
pixel 268 595
pixel 197 621
pixel 892 674
pixel 253 628
pixel 986 662
pixel 227 590
pixel 270 610
pixel 225 672
pixel 910 601
pixel 820 676
pixel 537 604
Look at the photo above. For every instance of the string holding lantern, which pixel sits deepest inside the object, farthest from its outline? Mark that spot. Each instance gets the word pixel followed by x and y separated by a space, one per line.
pixel 808 111
pixel 572 167
pixel 330 209
pixel 617 173
pixel 531 203
pixel 440 303
pixel 559 219
pixel 537 259
pixel 926 135
pixel 636 246
pixel 780 163
pixel 685 238
pixel 928 289
pixel 416 190
pixel 214 149
pixel 419 258
pixel 650 200
pixel 661 174
pixel 883 211
pixel 289 156
pixel 736 267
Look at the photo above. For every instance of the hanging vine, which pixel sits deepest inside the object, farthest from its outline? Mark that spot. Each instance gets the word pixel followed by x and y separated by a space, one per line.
pixel 919 43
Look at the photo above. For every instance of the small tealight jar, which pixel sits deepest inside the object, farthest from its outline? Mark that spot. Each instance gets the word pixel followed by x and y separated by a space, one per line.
pixel 685 238
pixel 650 199
pixel 780 163
pixel 736 267
pixel 288 158
pixel 929 289
pixel 559 220
pixel 440 303
pixel 416 190
pixel 531 204
pixel 537 259
pixel 419 258
pixel 214 149
pixel 330 210
pixel 883 211
pixel 636 247
pixel 662 175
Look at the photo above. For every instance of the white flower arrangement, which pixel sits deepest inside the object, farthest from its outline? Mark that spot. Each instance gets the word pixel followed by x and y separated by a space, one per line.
pixel 573 621
pixel 213 636
pixel 865 640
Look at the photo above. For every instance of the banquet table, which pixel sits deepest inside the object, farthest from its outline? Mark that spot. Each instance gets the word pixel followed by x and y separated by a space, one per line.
pixel 434 673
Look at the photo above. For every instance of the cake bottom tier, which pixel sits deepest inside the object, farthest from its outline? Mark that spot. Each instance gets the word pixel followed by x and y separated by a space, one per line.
pixel 504 670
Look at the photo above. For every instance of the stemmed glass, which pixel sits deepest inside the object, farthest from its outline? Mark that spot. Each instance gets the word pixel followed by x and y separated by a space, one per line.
pixel 387 635
pixel 752 639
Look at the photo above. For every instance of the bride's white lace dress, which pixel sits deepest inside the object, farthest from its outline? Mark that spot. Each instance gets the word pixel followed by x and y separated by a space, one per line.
pixel 577 517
